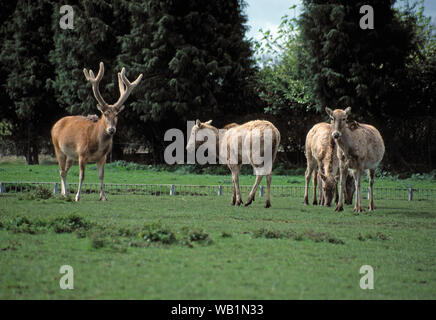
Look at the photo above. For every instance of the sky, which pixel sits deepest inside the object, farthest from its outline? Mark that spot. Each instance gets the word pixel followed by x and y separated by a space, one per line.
pixel 266 14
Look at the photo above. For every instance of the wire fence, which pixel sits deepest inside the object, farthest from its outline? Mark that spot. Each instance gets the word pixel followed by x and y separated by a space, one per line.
pixel 206 190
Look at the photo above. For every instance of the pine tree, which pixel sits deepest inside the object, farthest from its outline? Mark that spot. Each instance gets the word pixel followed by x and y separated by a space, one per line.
pixel 195 60
pixel 24 58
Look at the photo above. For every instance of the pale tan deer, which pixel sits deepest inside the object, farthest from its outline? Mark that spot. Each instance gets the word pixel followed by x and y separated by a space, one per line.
pixel 88 139
pixel 359 149
pixel 234 144
pixel 323 163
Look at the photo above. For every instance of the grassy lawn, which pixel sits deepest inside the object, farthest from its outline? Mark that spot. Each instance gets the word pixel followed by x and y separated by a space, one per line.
pixel 163 247
pixel 136 174
pixel 287 252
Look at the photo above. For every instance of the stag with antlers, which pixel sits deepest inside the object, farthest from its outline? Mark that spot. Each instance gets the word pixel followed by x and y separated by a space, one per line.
pixel 77 138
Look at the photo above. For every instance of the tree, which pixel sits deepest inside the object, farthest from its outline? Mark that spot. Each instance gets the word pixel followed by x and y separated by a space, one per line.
pixel 364 68
pixel 27 40
pixel 281 88
pixel 195 60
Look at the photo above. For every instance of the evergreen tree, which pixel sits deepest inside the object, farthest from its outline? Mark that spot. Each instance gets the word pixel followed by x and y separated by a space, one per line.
pixel 195 60
pixel 26 43
pixel 366 69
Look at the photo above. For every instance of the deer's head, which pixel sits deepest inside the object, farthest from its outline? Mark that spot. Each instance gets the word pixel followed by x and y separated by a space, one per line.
pixel 192 141
pixel 328 188
pixel 338 119
pixel 110 111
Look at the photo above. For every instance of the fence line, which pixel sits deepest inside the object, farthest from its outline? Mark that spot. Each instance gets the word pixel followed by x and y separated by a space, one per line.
pixel 206 190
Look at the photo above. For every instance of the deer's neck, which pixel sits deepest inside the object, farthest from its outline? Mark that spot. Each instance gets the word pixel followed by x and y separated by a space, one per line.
pixel 345 142
pixel 99 132
pixel 331 162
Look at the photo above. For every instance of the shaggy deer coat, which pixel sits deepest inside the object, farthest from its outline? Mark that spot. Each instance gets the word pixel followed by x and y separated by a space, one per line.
pixel 323 163
pixel 242 136
pixel 359 149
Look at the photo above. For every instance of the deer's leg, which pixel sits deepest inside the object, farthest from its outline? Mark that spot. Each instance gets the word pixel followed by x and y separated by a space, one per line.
pixel 268 190
pixel 233 202
pixel 62 160
pixel 371 173
pixel 309 171
pixel 235 177
pixel 82 164
pixel 68 165
pixel 315 184
pixel 357 180
pixel 253 190
pixel 100 167
pixel 342 177
pixel 320 191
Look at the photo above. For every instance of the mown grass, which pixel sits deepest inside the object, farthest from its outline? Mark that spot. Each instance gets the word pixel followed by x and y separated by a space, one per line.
pixel 148 247
pixel 131 173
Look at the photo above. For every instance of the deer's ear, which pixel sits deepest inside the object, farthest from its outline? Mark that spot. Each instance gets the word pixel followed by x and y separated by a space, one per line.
pixel 208 122
pixel 329 111
pixel 198 123
pixel 348 111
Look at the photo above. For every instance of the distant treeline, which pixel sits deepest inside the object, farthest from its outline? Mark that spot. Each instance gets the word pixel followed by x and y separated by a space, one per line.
pixel 197 63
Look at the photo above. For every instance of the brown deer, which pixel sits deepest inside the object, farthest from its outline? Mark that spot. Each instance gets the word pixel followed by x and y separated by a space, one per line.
pixel 323 163
pixel 235 143
pixel 88 139
pixel 361 148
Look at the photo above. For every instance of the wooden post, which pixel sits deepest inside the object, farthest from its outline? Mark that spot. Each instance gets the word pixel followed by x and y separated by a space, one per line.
pixel 410 194
pixel 261 191
pixel 220 190
pixel 173 190
pixel 2 188
pixel 56 188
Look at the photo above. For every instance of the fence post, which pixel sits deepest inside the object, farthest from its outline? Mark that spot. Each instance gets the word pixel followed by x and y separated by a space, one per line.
pixel 410 194
pixel 56 188
pixel 261 191
pixel 220 190
pixel 173 190
pixel 2 188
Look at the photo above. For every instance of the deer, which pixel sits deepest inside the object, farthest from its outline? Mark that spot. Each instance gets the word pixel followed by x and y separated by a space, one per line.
pixel 231 148
pixel 89 139
pixel 323 163
pixel 360 148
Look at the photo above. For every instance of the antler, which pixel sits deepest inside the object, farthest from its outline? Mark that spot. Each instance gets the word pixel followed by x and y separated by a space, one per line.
pixel 126 88
pixel 95 81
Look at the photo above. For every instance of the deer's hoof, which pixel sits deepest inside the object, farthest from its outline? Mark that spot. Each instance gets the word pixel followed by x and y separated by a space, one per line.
pixel 339 208
pixel 267 204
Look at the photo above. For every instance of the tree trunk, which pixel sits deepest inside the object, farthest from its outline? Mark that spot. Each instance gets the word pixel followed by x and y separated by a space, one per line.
pixel 31 154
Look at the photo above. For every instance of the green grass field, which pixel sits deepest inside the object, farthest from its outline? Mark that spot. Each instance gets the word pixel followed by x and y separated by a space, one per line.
pixel 162 247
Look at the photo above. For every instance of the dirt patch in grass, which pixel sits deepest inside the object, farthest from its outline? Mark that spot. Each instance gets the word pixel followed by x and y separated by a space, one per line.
pixel 291 234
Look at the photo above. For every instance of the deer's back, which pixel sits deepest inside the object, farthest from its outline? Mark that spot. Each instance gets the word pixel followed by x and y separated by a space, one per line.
pixel 319 143
pixel 367 146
